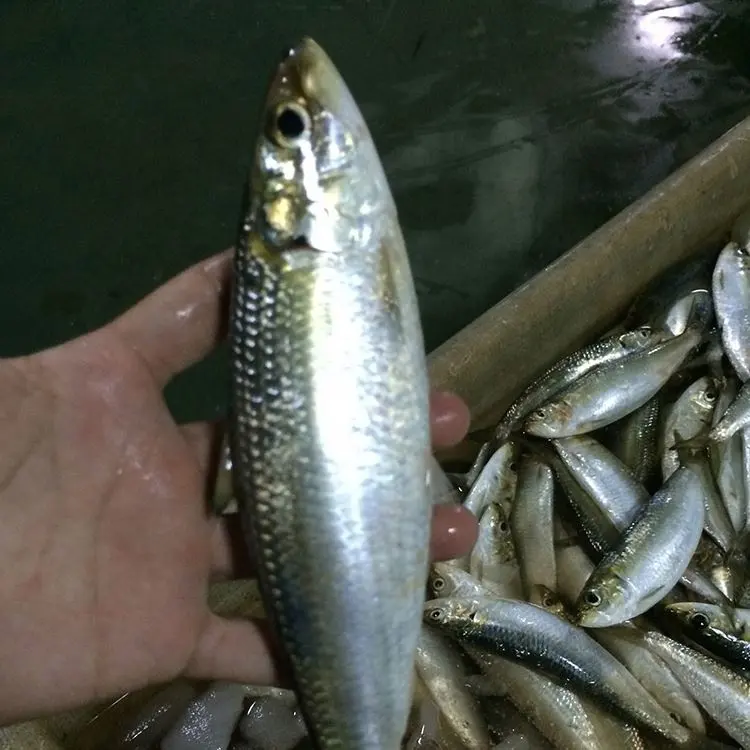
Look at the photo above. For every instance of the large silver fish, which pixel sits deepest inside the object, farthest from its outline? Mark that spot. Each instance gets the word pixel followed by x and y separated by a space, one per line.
pixel 329 427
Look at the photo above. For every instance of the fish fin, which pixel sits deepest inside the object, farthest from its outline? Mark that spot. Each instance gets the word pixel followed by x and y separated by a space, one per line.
pixel 688 448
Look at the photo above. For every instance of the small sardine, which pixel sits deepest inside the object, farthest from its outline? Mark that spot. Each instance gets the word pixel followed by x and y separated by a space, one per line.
pixel 653 674
pixel 155 718
pixel 209 721
pixel 650 557
pixel 709 626
pixel 530 634
pixel 603 476
pixel 723 693
pixel 735 417
pixel 495 483
pixel 533 533
pixel 556 711
pixel 447 580
pixel 271 723
pixel 610 393
pixel 636 440
pixel 444 675
pixel 493 558
pixel 688 417
pixel 727 463
pixel 717 522
pixel 569 369
pixel 731 291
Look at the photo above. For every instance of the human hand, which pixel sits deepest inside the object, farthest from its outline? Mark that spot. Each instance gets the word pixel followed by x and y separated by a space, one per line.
pixel 106 547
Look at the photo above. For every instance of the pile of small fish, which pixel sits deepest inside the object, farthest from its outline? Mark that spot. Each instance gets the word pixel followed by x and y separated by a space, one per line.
pixel 607 596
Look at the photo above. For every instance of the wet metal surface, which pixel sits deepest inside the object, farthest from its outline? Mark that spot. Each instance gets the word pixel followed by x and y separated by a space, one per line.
pixel 509 131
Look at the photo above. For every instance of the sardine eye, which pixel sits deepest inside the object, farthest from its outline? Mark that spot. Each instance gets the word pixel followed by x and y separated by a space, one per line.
pixel 503 525
pixel 699 621
pixel 711 394
pixel 291 124
pixel 438 584
pixel 548 600
pixel 436 615
pixel 592 598
pixel 540 413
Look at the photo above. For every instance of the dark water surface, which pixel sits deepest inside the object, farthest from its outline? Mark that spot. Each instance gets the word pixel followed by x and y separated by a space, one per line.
pixel 510 130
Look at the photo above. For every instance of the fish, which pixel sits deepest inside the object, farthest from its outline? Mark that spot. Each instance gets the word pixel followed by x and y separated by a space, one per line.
pixel 209 721
pixel 531 524
pixel 532 635
pixel 609 393
pixel 724 694
pixel 718 524
pixel 270 723
pixel 329 411
pixel 657 304
pixel 447 580
pixel 635 443
pixel 734 418
pixel 727 464
pixel 653 674
pixel 689 417
pixel 570 369
pixel 603 476
pixel 555 710
pixel 649 559
pixel 710 627
pixel 731 294
pixel 493 558
pixel 155 718
pixel 444 675
pixel 495 483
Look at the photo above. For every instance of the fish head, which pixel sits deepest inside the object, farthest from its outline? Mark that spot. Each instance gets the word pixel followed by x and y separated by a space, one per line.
pixel 445 580
pixel 707 393
pixel 548 420
pixel 451 614
pixel 603 601
pixel 317 181
pixel 698 617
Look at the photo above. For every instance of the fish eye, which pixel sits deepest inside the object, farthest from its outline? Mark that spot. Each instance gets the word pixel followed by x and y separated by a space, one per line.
pixel 291 123
pixel 699 621
pixel 513 466
pixel 438 584
pixel 540 413
pixel 711 394
pixel 592 598
pixel 436 615
pixel 503 526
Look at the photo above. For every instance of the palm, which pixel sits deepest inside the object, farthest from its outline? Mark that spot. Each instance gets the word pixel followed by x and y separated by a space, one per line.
pixel 117 551
pixel 106 545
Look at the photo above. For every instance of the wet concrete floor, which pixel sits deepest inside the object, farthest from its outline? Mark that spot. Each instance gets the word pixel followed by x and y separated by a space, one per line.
pixel 509 131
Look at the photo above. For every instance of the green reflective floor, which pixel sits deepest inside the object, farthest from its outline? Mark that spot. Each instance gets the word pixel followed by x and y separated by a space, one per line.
pixel 509 131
